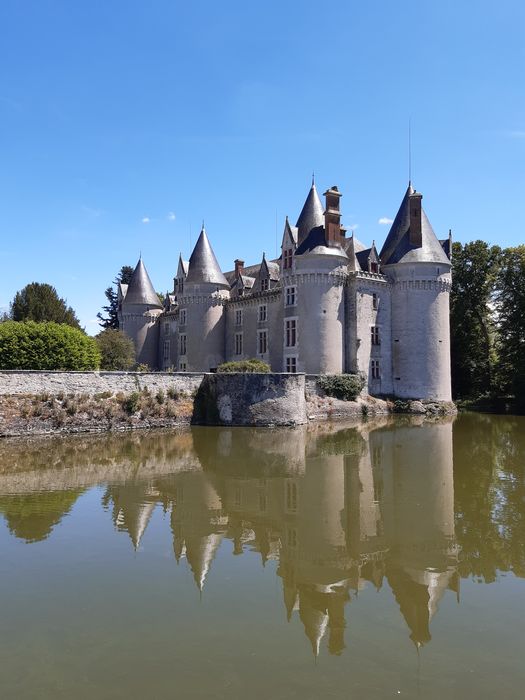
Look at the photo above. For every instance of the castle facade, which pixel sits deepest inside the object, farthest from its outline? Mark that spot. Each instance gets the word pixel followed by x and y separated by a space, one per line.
pixel 327 305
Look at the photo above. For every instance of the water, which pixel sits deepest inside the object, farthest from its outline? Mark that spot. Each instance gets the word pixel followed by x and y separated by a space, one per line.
pixel 383 560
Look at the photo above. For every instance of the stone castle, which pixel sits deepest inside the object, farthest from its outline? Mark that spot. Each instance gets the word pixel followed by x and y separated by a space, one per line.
pixel 327 305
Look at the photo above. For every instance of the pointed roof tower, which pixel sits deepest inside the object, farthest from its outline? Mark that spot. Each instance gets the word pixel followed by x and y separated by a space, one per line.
pixel 140 290
pixel 203 266
pixel 411 238
pixel 311 216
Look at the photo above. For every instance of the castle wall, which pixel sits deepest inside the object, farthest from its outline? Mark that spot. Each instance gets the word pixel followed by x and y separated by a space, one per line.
pixel 204 330
pixel 168 341
pixel 142 327
pixel 421 331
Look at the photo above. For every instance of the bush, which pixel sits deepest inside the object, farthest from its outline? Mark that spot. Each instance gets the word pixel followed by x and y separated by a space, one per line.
pixel 131 403
pixel 252 365
pixel 116 349
pixel 46 346
pixel 342 386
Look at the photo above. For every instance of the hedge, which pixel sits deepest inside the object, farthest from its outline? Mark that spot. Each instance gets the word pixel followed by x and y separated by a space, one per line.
pixel 46 346
pixel 342 386
pixel 253 365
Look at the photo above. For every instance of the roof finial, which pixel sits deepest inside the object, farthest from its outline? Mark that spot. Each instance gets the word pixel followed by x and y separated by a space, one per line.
pixel 202 225
pixel 140 254
pixel 313 178
pixel 409 151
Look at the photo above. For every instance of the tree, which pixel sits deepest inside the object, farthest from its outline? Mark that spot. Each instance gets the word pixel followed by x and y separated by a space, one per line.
pixel 111 310
pixel 474 270
pixel 116 349
pixel 46 346
pixel 510 308
pixel 40 302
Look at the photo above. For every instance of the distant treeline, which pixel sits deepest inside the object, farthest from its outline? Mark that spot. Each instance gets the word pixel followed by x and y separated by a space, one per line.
pixel 487 316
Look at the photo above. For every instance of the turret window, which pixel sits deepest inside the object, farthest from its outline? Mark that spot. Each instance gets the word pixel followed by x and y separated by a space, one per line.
pixel 238 343
pixel 290 332
pixel 287 259
pixel 265 283
pixel 166 355
pixel 375 302
pixel 262 342
pixel 238 317
pixel 182 344
pixel 262 313
pixel 375 335
pixel 182 317
pixel 290 296
pixel 375 369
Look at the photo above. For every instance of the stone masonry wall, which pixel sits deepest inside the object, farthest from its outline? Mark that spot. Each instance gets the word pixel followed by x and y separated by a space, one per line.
pixel 14 382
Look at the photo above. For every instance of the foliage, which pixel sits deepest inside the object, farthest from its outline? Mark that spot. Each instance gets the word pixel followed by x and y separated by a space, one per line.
pixel 510 318
pixel 116 349
pixel 111 310
pixel 131 403
pixel 341 386
pixel 252 365
pixel 46 346
pixel 40 302
pixel 142 367
pixel 474 271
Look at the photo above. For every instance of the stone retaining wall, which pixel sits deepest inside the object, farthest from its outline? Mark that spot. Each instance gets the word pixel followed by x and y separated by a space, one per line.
pixel 13 382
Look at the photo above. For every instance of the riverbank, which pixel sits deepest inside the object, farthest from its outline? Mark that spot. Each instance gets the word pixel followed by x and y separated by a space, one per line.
pixel 69 403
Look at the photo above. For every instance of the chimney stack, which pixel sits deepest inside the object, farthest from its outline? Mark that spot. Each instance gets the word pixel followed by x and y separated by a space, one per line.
pixel 239 268
pixel 332 217
pixel 415 235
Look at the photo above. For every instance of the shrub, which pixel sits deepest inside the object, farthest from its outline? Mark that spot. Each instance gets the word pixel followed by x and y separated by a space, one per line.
pixel 142 367
pixel 116 349
pixel 173 393
pixel 161 396
pixel 341 386
pixel 252 365
pixel 46 346
pixel 131 403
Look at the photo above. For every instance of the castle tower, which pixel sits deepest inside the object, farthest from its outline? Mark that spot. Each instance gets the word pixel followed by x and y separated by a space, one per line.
pixel 201 311
pixel 317 278
pixel 138 316
pixel 418 269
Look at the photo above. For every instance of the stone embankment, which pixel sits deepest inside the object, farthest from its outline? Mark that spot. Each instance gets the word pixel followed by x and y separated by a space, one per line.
pixel 36 403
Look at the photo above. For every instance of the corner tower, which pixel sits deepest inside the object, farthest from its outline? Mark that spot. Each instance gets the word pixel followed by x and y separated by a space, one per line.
pixel 201 310
pixel 419 270
pixel 138 316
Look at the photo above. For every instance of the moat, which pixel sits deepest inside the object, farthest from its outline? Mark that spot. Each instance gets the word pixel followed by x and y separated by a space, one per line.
pixel 377 560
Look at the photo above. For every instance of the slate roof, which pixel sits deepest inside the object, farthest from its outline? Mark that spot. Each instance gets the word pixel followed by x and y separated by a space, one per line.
pixel 397 246
pixel 311 216
pixel 203 265
pixel 140 290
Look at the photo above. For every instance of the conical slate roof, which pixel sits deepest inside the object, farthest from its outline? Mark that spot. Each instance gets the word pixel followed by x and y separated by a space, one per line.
pixel 203 265
pixel 397 247
pixel 140 289
pixel 311 216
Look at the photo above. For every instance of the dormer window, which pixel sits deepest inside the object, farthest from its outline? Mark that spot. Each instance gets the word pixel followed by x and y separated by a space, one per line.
pixel 265 283
pixel 287 259
pixel 374 267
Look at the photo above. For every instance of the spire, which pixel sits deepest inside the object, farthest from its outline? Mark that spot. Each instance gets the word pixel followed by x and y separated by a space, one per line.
pixel 312 214
pixel 408 242
pixel 140 289
pixel 203 267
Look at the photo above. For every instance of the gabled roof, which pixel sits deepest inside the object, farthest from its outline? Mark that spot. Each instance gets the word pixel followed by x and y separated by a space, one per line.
pixel 182 268
pixel 311 216
pixel 203 265
pixel 363 256
pixel 397 247
pixel 140 290
pixel 291 231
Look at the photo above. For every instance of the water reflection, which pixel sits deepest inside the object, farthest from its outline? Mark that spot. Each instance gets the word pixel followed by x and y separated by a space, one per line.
pixel 383 503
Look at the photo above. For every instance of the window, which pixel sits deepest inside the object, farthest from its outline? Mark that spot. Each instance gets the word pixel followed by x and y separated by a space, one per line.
pixel 262 342
pixel 287 259
pixel 291 365
pixel 182 344
pixel 166 328
pixel 290 296
pixel 290 332
pixel 375 369
pixel 238 343
pixel 182 366
pixel 375 335
pixel 262 502
pixel 180 286
pixel 374 267
pixel 166 351
pixel 265 283
pixel 182 317
pixel 375 301
pixel 262 313
pixel 238 317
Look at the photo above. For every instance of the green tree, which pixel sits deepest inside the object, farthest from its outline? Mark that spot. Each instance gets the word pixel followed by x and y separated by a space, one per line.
pixel 510 308
pixel 40 302
pixel 110 320
pixel 474 271
pixel 46 346
pixel 116 349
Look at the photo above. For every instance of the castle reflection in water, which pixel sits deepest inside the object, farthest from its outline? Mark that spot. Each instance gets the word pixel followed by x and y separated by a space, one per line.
pixel 334 507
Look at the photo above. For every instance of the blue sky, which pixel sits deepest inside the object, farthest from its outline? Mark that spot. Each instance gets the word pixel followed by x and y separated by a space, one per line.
pixel 126 123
